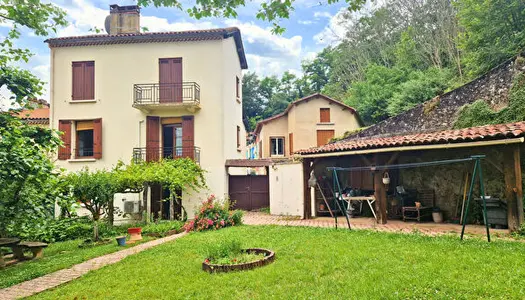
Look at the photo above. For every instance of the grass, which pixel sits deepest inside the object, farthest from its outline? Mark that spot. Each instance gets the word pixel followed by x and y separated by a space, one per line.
pixel 314 263
pixel 57 256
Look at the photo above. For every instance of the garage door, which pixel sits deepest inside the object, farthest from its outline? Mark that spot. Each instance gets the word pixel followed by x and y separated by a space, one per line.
pixel 249 192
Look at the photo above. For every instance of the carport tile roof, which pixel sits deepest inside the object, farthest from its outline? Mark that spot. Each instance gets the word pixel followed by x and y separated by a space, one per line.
pixel 487 132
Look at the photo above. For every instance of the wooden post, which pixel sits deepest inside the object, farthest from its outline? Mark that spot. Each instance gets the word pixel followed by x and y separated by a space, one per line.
pixel 380 194
pixel 509 169
pixel 307 213
pixel 519 183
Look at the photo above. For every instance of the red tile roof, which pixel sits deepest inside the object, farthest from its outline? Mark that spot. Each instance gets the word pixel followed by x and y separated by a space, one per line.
pixel 285 112
pixel 487 132
pixel 154 37
pixel 37 113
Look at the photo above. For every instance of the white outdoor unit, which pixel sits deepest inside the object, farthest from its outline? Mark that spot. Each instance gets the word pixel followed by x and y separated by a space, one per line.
pixel 131 207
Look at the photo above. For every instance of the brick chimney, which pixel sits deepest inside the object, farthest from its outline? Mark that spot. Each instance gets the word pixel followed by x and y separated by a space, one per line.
pixel 123 19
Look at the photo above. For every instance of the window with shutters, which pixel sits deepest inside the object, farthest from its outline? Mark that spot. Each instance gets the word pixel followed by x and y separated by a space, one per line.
pixel 277 146
pixel 324 115
pixel 84 139
pixel 237 87
pixel 83 80
pixel 238 138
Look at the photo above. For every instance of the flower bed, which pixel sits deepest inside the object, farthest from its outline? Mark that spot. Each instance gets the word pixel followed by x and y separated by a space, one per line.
pixel 267 256
pixel 214 214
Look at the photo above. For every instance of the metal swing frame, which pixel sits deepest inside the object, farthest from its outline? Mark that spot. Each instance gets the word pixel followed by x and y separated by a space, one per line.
pixel 476 175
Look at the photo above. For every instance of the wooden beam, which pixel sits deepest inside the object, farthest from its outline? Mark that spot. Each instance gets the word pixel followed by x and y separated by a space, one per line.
pixel 393 158
pixel 366 160
pixel 519 183
pixel 495 165
pixel 510 195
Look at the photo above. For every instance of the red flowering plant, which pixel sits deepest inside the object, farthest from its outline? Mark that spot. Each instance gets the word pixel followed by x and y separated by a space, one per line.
pixel 214 214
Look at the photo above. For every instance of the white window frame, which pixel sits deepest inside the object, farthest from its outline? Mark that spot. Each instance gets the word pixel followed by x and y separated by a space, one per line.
pixel 277 138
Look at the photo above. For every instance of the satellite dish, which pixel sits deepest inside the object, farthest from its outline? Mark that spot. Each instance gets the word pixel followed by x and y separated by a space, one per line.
pixel 107 24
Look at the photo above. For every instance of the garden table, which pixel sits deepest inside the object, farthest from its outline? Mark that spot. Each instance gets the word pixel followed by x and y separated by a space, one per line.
pixel 368 199
pixel 7 242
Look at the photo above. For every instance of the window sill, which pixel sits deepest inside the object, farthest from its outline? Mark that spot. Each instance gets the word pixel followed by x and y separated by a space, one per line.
pixel 239 149
pixel 278 156
pixel 83 101
pixel 75 160
pixel 325 123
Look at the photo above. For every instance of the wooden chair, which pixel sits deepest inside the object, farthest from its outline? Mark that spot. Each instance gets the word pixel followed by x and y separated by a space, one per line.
pixel 426 198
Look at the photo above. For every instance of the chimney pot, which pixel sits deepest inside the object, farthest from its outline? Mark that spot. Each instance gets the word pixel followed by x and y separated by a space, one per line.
pixel 124 19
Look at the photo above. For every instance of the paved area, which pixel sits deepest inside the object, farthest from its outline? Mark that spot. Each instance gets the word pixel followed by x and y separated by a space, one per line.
pixel 259 218
pixel 57 278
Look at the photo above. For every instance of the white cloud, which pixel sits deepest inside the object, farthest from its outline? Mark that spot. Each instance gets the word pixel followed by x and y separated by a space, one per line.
pixel 334 31
pixel 305 22
pixel 267 66
pixel 322 14
pixel 265 42
pixel 156 24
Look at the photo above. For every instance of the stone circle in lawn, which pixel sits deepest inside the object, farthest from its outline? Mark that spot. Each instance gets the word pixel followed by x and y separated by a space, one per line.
pixel 269 257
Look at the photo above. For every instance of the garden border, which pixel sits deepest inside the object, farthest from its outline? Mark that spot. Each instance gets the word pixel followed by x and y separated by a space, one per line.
pixel 269 257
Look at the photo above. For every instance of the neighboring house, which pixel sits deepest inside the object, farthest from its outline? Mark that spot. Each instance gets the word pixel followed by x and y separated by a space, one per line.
pixel 308 122
pixel 148 96
pixel 38 116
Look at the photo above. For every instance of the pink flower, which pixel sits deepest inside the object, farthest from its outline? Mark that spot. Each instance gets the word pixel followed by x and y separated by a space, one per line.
pixel 210 222
pixel 222 222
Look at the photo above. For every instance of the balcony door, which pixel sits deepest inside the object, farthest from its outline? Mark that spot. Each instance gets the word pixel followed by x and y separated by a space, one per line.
pixel 172 140
pixel 170 80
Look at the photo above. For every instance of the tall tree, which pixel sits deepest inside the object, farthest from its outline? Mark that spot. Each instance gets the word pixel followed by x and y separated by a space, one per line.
pixel 494 30
pixel 252 101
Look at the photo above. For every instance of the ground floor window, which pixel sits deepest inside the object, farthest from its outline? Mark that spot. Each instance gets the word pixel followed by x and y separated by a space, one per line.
pixel 85 138
pixel 276 146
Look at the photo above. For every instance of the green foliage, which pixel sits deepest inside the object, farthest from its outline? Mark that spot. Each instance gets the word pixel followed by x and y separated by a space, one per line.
pixel 494 30
pixel 223 249
pixel 56 230
pixel 162 227
pixel 420 87
pixel 480 113
pixel 214 214
pixel 27 175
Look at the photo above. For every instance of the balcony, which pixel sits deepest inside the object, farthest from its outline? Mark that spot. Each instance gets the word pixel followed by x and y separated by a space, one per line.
pixel 162 96
pixel 154 154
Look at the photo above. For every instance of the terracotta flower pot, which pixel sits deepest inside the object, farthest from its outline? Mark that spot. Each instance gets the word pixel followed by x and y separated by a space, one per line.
pixel 135 234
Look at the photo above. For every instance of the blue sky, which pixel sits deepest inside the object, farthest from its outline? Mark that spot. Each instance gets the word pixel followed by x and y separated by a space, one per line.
pixel 312 26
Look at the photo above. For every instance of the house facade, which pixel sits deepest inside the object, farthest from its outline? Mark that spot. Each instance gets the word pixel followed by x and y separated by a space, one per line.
pixel 145 96
pixel 308 122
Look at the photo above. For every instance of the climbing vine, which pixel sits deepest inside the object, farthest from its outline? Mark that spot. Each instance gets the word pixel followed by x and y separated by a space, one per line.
pixel 480 113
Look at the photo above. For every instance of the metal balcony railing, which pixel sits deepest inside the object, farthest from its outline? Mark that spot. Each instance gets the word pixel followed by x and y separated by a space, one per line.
pixel 154 154
pixel 84 152
pixel 166 93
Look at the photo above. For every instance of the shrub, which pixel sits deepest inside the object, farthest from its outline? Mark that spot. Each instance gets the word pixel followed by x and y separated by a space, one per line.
pixel 162 227
pixel 55 230
pixel 214 214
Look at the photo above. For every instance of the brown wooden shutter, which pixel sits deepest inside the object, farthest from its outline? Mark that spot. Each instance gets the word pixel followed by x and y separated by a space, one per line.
pixel 238 136
pixel 324 136
pixel 152 138
pixel 83 80
pixel 324 115
pixel 64 152
pixel 290 137
pixel 188 136
pixel 89 80
pixel 260 149
pixel 97 138
pixel 78 78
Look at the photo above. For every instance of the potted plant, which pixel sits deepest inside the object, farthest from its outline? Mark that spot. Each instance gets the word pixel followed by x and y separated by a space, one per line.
pixel 121 240
pixel 437 215
pixel 135 234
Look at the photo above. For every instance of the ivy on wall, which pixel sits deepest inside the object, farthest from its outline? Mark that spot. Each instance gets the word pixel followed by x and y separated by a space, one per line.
pixel 480 113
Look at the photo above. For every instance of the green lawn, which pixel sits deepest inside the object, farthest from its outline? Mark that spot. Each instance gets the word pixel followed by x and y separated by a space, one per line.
pixel 314 263
pixel 57 256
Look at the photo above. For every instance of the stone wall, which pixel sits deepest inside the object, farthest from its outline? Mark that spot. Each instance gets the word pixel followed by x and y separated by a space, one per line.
pixel 440 112
pixel 448 180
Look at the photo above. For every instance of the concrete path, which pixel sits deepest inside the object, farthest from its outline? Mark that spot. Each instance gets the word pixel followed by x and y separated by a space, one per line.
pixel 57 278
pixel 429 228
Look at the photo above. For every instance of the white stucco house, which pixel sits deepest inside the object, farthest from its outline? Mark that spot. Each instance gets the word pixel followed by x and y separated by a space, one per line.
pixel 133 95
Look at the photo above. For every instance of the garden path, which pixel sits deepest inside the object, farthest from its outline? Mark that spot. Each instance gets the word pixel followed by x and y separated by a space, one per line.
pixel 57 278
